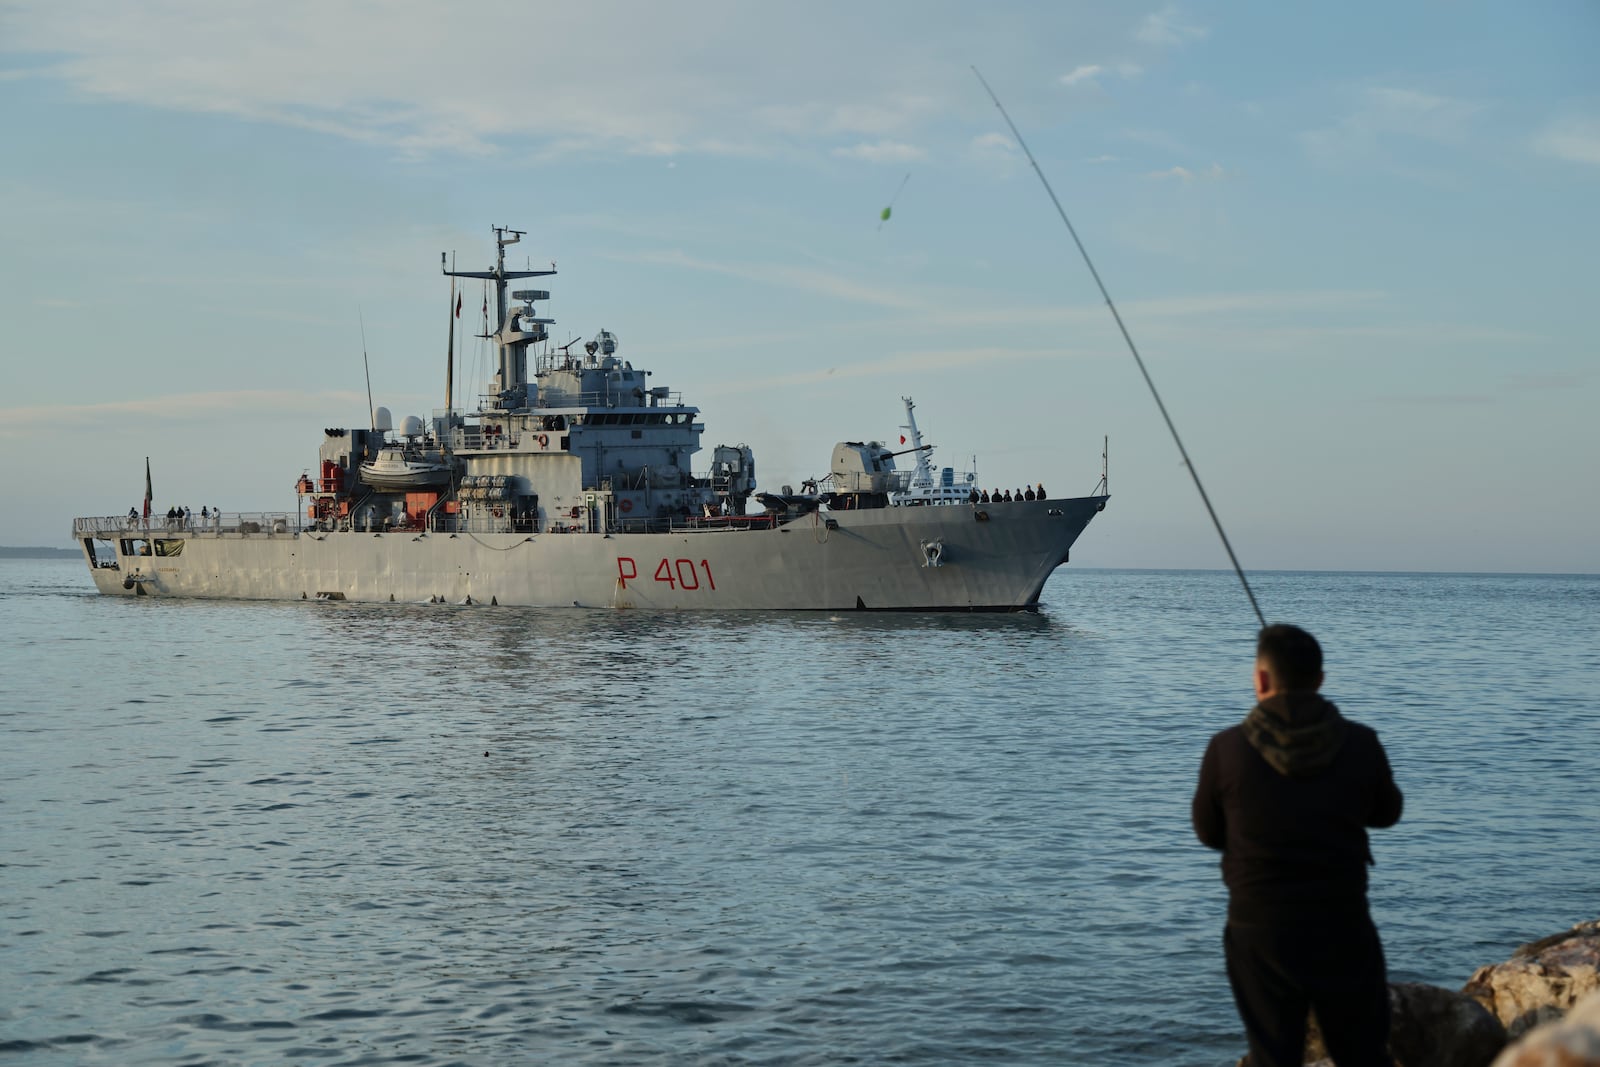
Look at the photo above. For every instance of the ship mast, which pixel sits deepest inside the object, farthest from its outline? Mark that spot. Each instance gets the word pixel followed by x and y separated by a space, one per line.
pixel 924 473
pixel 506 338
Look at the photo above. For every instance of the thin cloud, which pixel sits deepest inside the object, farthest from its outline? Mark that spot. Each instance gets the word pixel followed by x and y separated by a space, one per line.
pixel 899 366
pixel 1384 116
pixel 1184 174
pixel 994 143
pixel 725 79
pixel 1156 139
pixel 790 277
pixel 182 406
pixel 1167 29
pixel 1089 74
pixel 1546 383
pixel 994 152
pixel 883 152
pixel 944 311
pixel 1220 303
pixel 1576 140
pixel 1082 74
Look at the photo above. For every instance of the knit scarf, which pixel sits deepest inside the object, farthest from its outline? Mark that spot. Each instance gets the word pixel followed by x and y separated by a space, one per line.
pixel 1298 733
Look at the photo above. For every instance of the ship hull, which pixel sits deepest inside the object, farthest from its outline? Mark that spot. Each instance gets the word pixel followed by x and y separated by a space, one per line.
pixel 986 557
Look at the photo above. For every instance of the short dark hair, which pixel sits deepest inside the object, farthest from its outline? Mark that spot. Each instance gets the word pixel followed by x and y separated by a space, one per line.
pixel 1292 655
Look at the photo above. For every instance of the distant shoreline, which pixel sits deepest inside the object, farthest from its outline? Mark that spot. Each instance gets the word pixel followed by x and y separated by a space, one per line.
pixel 38 552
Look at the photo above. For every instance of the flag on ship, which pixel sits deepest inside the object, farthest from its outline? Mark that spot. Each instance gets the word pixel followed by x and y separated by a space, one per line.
pixel 147 493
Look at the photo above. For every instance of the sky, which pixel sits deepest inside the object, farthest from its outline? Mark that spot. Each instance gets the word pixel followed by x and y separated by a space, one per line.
pixel 1356 244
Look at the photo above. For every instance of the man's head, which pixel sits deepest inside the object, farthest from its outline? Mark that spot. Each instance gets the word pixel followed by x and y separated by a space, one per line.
pixel 1287 658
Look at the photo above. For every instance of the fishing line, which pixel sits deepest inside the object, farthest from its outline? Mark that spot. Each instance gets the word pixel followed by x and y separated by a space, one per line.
pixel 883 216
pixel 1131 346
pixel 372 415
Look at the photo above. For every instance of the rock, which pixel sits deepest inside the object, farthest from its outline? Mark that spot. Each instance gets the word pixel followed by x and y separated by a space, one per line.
pixel 1570 1042
pixel 1434 1027
pixel 1542 980
pixel 1430 1027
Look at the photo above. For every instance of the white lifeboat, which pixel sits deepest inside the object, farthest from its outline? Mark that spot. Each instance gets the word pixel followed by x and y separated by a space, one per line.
pixel 398 467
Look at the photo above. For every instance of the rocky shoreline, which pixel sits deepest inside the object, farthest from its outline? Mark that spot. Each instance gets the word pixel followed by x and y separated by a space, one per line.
pixel 1540 1008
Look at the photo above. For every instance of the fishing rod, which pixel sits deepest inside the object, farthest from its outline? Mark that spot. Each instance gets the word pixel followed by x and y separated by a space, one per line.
pixel 1187 462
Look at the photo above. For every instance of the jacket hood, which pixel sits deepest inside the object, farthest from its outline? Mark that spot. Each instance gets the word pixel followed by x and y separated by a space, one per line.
pixel 1298 733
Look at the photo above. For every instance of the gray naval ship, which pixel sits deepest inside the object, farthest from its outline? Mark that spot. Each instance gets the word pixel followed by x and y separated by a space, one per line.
pixel 572 485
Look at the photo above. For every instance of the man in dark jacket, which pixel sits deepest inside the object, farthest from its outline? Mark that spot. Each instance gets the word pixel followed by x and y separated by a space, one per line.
pixel 1287 795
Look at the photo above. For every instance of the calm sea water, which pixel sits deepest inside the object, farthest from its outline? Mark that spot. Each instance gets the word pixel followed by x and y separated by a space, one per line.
pixel 259 833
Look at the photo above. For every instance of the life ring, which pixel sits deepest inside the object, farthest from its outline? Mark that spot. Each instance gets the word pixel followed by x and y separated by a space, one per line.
pixel 625 506
pixel 544 440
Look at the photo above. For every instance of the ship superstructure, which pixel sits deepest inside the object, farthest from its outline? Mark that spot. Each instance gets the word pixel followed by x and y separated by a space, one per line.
pixel 572 483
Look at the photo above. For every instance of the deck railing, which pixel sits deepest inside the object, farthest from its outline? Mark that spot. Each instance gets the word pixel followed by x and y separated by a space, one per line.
pixel 268 523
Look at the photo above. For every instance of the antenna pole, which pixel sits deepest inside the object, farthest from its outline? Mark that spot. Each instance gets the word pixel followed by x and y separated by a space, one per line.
pixel 372 418
pixel 450 349
pixel 1131 347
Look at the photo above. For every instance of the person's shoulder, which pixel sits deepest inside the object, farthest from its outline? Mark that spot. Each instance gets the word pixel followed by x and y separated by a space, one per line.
pixel 1360 729
pixel 1361 735
pixel 1228 738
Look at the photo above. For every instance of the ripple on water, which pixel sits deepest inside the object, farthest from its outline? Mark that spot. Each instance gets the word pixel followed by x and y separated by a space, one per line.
pixel 748 839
